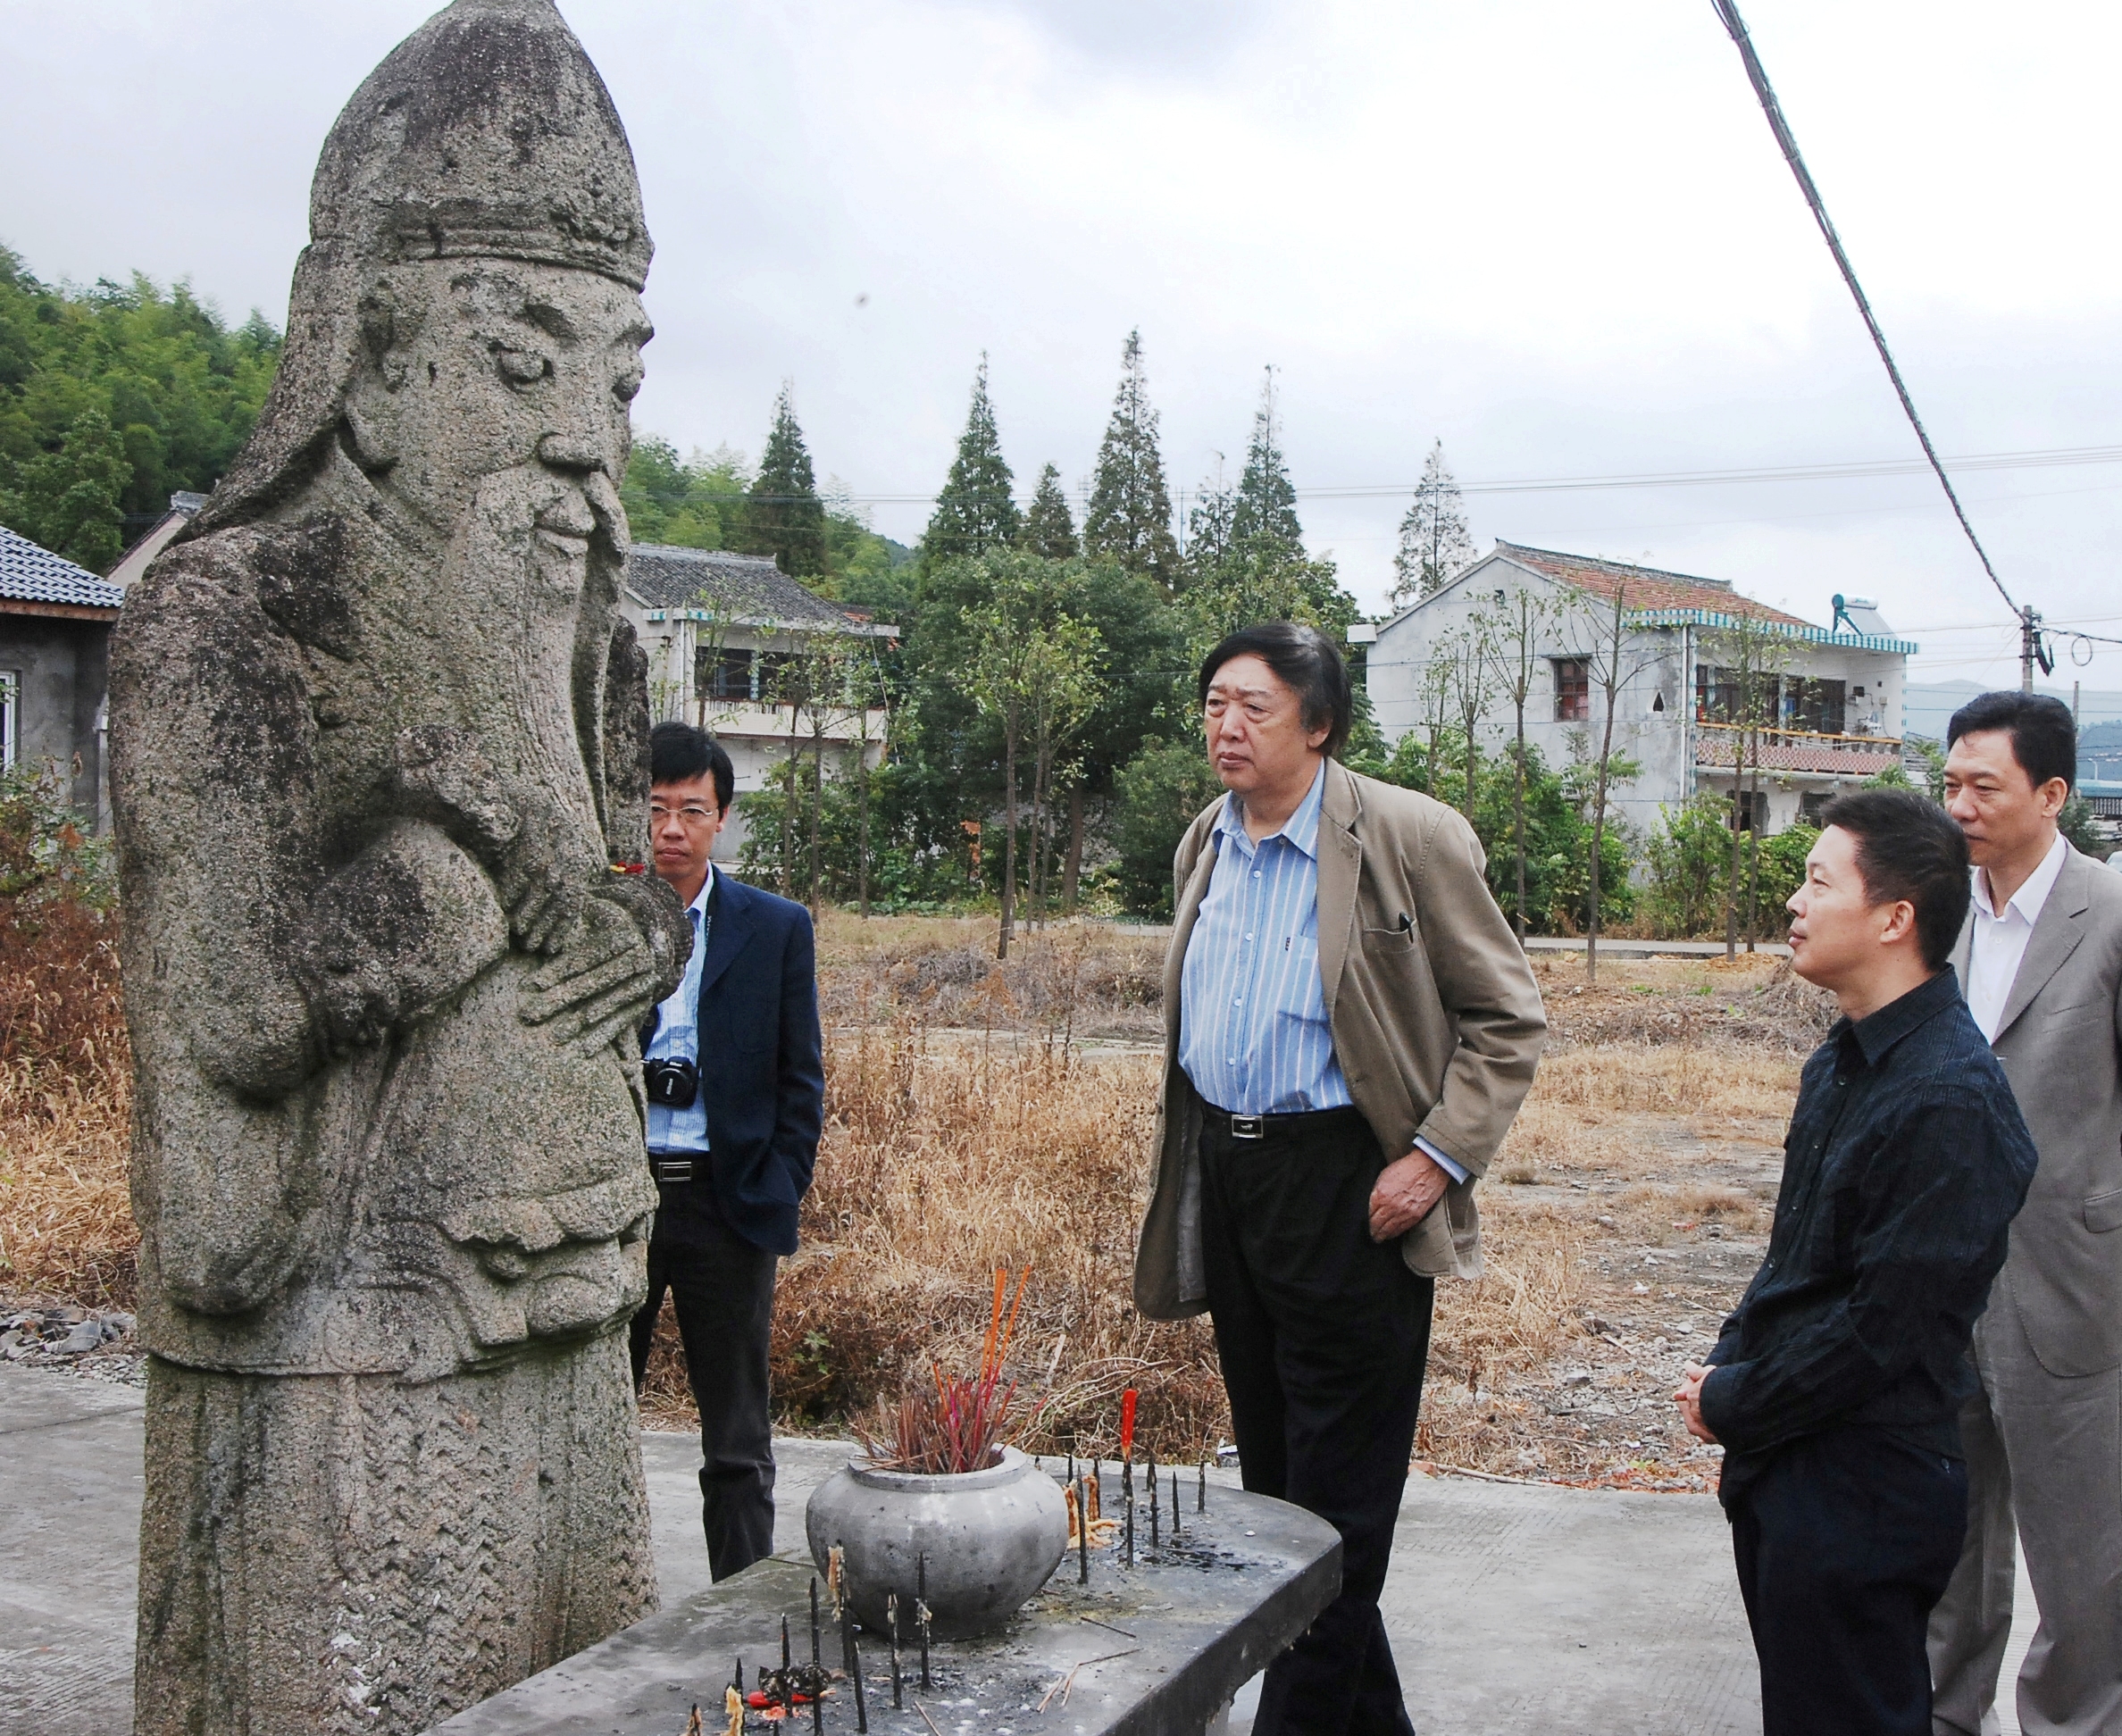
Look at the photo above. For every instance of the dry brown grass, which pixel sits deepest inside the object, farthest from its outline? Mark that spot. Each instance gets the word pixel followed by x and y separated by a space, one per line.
pixel 66 1225
pixel 963 1132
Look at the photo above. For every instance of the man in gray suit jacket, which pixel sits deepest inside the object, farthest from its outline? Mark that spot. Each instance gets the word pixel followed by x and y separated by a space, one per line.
pixel 2040 963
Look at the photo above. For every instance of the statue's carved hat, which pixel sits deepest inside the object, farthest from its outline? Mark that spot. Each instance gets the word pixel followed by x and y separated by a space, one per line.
pixel 487 133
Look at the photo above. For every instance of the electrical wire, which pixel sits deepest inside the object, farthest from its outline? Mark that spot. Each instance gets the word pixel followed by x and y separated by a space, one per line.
pixel 1728 11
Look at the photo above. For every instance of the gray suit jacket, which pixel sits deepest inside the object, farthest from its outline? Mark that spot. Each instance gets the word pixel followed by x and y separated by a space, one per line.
pixel 2060 1041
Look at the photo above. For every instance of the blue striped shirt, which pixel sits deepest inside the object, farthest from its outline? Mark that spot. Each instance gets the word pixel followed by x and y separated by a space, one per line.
pixel 1253 1033
pixel 1254 1036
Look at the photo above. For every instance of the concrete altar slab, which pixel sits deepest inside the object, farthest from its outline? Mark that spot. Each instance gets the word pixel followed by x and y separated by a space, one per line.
pixel 1155 1649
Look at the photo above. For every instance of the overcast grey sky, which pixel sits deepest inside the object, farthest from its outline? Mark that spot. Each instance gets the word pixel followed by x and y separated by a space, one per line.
pixel 1556 236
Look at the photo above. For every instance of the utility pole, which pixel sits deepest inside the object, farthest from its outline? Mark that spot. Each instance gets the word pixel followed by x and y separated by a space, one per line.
pixel 2032 650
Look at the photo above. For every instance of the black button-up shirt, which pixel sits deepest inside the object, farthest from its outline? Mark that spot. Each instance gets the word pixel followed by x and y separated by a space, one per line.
pixel 1905 1163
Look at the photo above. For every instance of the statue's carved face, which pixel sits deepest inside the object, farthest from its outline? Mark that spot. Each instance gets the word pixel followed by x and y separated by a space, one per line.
pixel 479 366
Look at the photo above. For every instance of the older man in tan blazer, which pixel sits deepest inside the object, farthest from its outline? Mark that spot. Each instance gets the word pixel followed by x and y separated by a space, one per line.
pixel 1349 1028
pixel 2041 961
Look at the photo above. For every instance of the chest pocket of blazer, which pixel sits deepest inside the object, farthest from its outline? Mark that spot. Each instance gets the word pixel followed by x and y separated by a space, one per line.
pixel 1384 942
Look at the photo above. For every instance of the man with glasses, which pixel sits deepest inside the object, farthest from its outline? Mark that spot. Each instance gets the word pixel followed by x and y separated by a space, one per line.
pixel 736 1086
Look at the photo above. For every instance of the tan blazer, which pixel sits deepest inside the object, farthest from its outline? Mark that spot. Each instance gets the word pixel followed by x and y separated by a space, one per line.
pixel 2060 1041
pixel 1437 1023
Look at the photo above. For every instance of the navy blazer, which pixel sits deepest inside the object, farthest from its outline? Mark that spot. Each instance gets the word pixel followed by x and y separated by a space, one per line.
pixel 762 1072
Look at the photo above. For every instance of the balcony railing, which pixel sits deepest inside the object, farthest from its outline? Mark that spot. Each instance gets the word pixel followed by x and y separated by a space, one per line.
pixel 1852 738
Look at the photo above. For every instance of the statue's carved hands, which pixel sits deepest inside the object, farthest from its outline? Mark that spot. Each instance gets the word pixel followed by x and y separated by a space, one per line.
pixel 607 975
pixel 541 878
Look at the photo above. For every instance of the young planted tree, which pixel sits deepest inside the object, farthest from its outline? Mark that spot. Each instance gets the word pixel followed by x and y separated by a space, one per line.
pixel 975 512
pixel 1474 679
pixel 784 515
pixel 1130 514
pixel 1517 628
pixel 1029 671
pixel 1749 654
pixel 1433 540
pixel 1066 692
pixel 1433 695
pixel 1610 666
pixel 1049 529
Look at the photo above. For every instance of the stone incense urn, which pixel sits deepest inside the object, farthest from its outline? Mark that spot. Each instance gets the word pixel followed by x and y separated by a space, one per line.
pixel 991 1538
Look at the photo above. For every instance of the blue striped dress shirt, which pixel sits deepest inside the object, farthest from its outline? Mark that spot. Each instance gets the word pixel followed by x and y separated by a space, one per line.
pixel 1254 1036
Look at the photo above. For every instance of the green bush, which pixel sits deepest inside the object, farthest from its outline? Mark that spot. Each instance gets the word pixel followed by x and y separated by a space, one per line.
pixel 1157 794
pixel 1685 862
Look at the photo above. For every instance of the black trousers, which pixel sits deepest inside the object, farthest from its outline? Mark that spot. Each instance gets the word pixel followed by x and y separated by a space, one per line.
pixel 1844 1540
pixel 1323 1335
pixel 722 1287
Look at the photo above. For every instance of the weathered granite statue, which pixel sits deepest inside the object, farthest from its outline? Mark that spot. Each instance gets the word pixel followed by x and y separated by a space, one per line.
pixel 381 766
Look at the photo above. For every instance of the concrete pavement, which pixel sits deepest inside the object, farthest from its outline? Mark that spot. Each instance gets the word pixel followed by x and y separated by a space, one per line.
pixel 1513 1607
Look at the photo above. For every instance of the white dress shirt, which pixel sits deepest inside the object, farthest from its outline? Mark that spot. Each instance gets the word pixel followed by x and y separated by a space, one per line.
pixel 1998 944
pixel 677 1038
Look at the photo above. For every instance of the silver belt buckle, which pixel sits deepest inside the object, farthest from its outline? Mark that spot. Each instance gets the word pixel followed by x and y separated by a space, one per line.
pixel 673 1169
pixel 1248 1127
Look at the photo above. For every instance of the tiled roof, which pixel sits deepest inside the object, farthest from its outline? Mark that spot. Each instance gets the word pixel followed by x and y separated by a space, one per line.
pixel 1648 588
pixel 31 575
pixel 747 589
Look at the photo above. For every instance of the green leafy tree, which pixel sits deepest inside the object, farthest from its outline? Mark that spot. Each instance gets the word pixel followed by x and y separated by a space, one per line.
pixel 784 517
pixel 1160 791
pixel 1434 543
pixel 68 500
pixel 1049 528
pixel 1130 514
pixel 178 390
pixel 695 503
pixel 975 512
pixel 1030 670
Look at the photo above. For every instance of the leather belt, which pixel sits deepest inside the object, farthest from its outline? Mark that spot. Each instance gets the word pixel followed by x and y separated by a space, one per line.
pixel 1260 1127
pixel 674 1166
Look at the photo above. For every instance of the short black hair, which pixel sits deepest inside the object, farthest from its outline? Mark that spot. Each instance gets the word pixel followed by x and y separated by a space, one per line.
pixel 1306 659
pixel 678 752
pixel 1909 847
pixel 2043 733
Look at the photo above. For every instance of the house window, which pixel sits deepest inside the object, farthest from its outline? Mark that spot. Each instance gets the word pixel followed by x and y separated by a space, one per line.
pixel 1819 707
pixel 780 678
pixel 1750 810
pixel 1717 695
pixel 10 718
pixel 1572 690
pixel 721 674
pixel 1812 803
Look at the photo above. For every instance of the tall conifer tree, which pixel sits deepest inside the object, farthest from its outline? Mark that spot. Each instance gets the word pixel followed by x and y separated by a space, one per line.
pixel 1267 504
pixel 1434 541
pixel 784 515
pixel 1130 514
pixel 1050 528
pixel 974 512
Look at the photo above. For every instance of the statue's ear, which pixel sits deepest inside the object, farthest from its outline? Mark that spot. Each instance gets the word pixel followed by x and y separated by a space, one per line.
pixel 386 358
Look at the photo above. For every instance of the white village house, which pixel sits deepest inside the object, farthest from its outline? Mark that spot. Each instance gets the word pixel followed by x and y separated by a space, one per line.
pixel 1837 716
pixel 728 639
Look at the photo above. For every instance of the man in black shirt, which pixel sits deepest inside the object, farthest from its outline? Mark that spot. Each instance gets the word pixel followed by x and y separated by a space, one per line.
pixel 1836 1383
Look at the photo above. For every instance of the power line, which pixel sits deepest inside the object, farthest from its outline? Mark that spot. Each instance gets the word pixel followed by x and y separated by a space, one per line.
pixel 2030 646
pixel 2040 458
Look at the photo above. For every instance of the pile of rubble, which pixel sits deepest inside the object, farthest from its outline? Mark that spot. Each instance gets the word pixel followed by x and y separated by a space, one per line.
pixel 64 1335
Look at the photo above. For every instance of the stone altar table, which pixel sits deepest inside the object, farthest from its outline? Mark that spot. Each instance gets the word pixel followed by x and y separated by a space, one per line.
pixel 1156 1649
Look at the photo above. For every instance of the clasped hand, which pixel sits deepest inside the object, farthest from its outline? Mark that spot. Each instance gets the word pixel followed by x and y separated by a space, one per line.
pixel 604 981
pixel 1405 1193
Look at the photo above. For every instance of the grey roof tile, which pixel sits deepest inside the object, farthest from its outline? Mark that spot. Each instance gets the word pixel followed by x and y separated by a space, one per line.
pixel 29 574
pixel 749 589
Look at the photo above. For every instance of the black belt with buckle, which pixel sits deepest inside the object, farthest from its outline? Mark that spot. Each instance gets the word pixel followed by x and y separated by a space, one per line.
pixel 672 1165
pixel 1260 1127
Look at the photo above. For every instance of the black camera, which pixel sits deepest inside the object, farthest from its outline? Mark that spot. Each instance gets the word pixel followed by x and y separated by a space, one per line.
pixel 674 1084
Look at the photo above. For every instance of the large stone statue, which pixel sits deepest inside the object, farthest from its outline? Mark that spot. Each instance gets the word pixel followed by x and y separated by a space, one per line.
pixel 380 773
